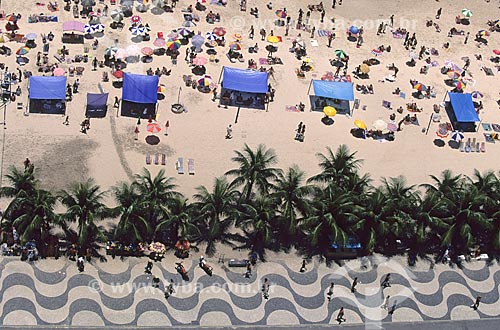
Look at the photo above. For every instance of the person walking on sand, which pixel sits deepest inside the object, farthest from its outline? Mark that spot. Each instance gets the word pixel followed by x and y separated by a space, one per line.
pixel 66 121
pixel 167 125
pixel 262 34
pixel 386 302
pixel 136 132
pixel 475 305
pixel 312 31
pixel 353 286
pixel 214 93
pixel 331 36
pixel 466 38
pixel 329 294
pixel 334 3
pixel 229 132
pixel 27 163
pixel 251 32
pixel 117 102
pixel 391 20
pixel 438 14
pixel 340 316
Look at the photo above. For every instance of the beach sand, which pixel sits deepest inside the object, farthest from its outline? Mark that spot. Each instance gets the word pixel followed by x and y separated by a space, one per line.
pixel 109 153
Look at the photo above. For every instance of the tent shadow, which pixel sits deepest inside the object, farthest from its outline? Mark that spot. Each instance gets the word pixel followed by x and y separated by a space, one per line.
pixel 439 143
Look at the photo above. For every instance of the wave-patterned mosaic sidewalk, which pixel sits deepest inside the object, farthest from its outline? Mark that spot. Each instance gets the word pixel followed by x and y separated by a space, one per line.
pixel 53 292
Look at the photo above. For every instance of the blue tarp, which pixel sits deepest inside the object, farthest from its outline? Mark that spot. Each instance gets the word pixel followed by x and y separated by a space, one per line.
pixel 47 88
pixel 463 107
pixel 245 80
pixel 333 89
pixel 139 88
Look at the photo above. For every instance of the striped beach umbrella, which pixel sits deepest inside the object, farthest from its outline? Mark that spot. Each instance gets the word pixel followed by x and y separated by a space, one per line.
pixel 235 45
pixel 420 87
pixel 483 33
pixel 89 29
pixel 22 51
pixel 466 12
pixel 457 136
pixel 340 53
pixel 110 51
pixel 137 30
pixel 453 74
pixel 211 36
pixel 205 81
pixel 98 27
pixel 459 84
pixel 281 13
pixel 173 44
pixel 184 32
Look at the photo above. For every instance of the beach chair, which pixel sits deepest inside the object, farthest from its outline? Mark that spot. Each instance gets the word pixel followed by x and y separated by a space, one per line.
pixel 148 159
pixel 461 146
pixel 356 104
pixel 180 166
pixel 191 166
pixel 157 159
pixel 483 147
pixel 386 104
pixel 20 106
pixel 163 159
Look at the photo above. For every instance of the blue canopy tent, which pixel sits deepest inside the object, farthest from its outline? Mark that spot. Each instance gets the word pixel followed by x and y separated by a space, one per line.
pixel 243 88
pixel 331 93
pixel 461 111
pixel 47 95
pixel 97 105
pixel 139 95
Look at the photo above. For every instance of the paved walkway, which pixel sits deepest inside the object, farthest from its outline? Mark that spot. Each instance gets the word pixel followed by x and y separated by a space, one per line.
pixel 53 292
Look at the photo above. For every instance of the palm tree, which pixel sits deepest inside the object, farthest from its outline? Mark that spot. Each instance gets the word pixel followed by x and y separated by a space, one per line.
pixel 449 186
pixel 254 169
pixel 179 222
pixel 256 221
pixel 21 182
pixel 329 220
pixel 468 222
pixel 157 193
pixel 291 197
pixel 337 166
pixel 84 206
pixel 487 184
pixel 133 226
pixel 37 218
pixel 214 211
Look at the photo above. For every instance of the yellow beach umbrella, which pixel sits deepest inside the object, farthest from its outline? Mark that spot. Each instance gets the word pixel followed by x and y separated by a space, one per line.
pixel 364 68
pixel 273 39
pixel 360 124
pixel 329 111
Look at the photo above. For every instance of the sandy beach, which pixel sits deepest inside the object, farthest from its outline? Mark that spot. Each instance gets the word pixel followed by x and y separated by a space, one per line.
pixel 109 153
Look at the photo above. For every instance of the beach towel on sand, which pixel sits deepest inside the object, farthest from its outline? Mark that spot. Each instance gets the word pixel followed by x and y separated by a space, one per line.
pixel 314 43
pixel 486 126
pixel 263 61
pixel 324 33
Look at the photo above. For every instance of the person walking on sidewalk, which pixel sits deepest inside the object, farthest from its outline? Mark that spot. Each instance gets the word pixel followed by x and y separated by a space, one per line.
pixel 329 294
pixel 303 267
pixel 476 303
pixel 340 316
pixel 385 283
pixel 265 289
pixel 229 132
pixel 353 286
pixel 386 302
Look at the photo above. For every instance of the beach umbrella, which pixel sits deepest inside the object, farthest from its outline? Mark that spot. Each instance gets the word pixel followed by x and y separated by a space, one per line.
pixel 237 37
pixel 121 53
pixel 133 50
pixel 153 128
pixel 159 42
pixel 148 51
pixel 453 74
pixel 466 12
pixel 88 3
pixel 442 132
pixel 413 55
pixel 198 40
pixel 376 52
pixel 118 74
pixel 364 68
pixel 110 51
pixel 30 36
pixel 329 111
pixel 379 125
pixel 459 84
pixel 496 51
pixel 157 247
pixel 200 60
pixel 135 19
pixel 281 13
pixel 273 39
pixel 158 3
pixel 354 29
pixel 184 32
pixel 457 136
pixel 11 18
pixel 95 14
pixel 189 24
pixel 117 15
pixel 211 36
pixel 89 29
pixel 235 45
pixel 340 54
pixel 98 27
pixel 359 124
pixel 137 30
pixel 58 72
pixel 205 81
pixel 173 44
pixel 173 35
pixel 220 31
pixel 483 33
pixel 22 51
pixel 392 127
pixel 477 94
pixel 146 27
pixel 420 87
pixel 161 88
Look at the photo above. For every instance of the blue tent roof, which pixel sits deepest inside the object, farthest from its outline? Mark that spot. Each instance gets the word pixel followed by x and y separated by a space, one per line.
pixel 47 88
pixel 333 89
pixel 140 88
pixel 463 107
pixel 245 80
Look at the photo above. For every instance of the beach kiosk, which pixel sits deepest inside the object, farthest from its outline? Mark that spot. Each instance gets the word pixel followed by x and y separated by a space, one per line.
pixel 335 94
pixel 461 111
pixel 243 88
pixel 47 95
pixel 139 95
pixel 97 105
